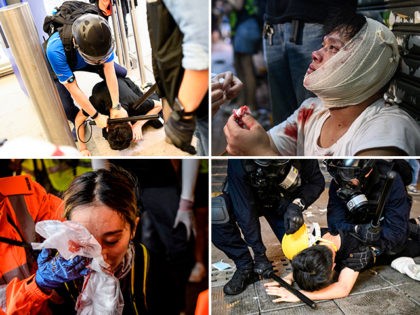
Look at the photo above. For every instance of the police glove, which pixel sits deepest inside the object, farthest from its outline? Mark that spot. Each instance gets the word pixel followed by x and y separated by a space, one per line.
pixel 101 120
pixel 360 260
pixel 53 271
pixel 179 130
pixel 293 218
pixel 367 233
pixel 185 215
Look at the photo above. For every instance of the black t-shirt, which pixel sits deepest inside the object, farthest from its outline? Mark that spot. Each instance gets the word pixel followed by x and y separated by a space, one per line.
pixel 129 93
pixel 349 244
pixel 311 11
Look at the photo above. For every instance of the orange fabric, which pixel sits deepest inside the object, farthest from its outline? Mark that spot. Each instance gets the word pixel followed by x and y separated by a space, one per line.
pixel 202 307
pixel 34 301
pixel 41 206
pixel 105 6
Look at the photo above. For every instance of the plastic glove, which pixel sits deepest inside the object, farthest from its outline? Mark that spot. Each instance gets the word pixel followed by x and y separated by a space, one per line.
pixel 367 233
pixel 180 130
pixel 53 271
pixel 101 121
pixel 360 260
pixel 293 218
pixel 185 215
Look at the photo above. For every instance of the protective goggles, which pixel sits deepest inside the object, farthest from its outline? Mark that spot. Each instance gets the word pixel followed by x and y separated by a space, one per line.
pixel 96 60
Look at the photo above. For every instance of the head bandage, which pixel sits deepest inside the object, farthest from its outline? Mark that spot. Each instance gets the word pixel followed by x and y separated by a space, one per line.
pixel 360 69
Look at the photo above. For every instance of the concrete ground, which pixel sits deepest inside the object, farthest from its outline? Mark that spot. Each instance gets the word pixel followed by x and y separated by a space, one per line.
pixel 379 290
pixel 19 116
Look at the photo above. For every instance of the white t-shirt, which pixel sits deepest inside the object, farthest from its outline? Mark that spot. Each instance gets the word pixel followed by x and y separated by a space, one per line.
pixel 378 126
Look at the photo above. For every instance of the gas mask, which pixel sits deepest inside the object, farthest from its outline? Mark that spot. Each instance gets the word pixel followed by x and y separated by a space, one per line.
pixel 351 176
pixel 270 179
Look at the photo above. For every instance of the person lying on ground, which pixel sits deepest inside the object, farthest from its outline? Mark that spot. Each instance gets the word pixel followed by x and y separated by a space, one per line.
pixel 120 135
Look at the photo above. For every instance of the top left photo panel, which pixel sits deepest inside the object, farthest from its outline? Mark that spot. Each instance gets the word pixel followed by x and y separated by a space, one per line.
pixel 104 78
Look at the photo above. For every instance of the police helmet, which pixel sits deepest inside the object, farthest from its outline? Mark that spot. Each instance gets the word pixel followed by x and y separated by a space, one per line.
pixel 93 38
pixel 344 171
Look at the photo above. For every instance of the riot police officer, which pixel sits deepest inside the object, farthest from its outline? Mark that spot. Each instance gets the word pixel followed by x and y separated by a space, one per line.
pixel 278 189
pixel 353 199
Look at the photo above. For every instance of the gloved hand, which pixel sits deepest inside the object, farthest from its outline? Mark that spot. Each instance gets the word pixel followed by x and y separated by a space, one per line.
pixel 293 218
pixel 101 121
pixel 185 215
pixel 180 130
pixel 367 233
pixel 360 260
pixel 55 270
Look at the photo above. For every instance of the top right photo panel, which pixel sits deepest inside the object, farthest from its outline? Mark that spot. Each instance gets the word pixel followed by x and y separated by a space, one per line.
pixel 315 78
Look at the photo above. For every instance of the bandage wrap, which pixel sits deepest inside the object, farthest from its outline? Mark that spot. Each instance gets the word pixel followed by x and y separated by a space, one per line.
pixel 360 69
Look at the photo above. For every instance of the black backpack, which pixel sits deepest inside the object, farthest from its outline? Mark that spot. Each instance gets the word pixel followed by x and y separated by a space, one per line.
pixel 62 22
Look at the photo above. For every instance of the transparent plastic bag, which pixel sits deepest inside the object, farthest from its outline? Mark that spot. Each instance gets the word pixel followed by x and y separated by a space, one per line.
pixel 101 292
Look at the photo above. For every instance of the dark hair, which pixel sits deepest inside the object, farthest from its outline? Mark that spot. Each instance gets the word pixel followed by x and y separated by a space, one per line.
pixel 114 188
pixel 347 24
pixel 312 268
pixel 119 136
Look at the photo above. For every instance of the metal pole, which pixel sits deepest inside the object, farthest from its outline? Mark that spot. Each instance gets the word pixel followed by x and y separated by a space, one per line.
pixel 123 35
pixel 139 50
pixel 116 28
pixel 19 28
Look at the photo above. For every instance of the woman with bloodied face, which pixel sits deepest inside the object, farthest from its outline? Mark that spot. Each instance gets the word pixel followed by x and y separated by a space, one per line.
pixel 104 202
pixel 349 74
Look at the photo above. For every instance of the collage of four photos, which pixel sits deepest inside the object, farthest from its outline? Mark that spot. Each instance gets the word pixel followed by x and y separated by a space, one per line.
pixel 209 157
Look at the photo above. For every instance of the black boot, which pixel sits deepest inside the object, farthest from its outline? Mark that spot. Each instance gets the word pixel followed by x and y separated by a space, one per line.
pixel 240 280
pixel 262 266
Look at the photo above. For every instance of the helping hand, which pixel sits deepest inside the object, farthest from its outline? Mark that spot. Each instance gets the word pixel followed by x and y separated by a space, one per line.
pixel 185 215
pixel 53 271
pixel 101 121
pixel 293 218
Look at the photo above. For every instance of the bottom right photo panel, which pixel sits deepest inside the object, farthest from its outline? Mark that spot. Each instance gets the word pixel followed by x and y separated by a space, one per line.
pixel 296 236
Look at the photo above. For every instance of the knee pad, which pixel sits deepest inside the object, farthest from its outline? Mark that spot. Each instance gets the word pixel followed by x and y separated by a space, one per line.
pixel 219 210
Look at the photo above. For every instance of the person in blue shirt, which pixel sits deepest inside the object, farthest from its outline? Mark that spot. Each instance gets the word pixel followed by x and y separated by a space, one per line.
pixel 91 51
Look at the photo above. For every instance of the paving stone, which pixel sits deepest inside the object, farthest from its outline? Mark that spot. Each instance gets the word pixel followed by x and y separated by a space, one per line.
pixel 384 302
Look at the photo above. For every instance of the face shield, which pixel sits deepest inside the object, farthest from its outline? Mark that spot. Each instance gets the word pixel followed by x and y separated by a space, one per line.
pixel 95 60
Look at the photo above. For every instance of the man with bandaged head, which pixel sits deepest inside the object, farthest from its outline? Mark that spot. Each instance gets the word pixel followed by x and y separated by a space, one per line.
pixel 279 190
pixel 349 74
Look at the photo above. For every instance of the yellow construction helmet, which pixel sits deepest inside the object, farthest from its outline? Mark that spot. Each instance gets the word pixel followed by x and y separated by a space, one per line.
pixel 293 244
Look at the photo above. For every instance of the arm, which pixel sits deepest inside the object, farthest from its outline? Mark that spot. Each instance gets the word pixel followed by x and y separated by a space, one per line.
pixel 83 101
pixel 112 84
pixel 236 4
pixel 138 125
pixel 25 297
pixel 80 131
pixel 313 182
pixel 336 290
pixel 194 86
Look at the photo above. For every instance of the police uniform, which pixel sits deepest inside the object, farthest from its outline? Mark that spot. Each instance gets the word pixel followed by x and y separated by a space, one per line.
pixel 394 225
pixel 245 207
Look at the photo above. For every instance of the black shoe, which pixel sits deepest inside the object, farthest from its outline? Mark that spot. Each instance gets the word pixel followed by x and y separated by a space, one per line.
pixel 262 266
pixel 240 280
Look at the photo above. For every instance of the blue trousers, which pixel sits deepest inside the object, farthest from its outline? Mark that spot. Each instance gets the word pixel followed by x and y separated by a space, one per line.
pixel 287 63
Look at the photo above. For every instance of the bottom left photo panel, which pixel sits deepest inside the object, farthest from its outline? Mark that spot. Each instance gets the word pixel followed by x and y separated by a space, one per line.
pixel 104 236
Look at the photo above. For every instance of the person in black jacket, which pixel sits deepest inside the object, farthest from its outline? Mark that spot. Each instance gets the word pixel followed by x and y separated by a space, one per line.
pixel 278 189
